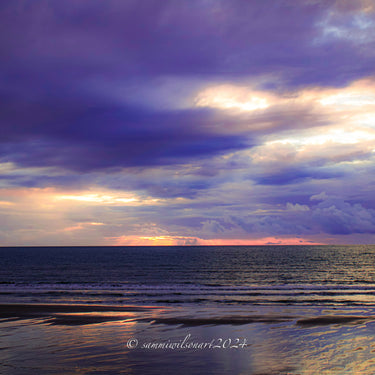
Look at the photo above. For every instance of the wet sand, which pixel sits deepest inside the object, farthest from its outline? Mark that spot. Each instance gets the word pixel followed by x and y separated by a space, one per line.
pixel 75 314
pixel 69 314
pixel 135 340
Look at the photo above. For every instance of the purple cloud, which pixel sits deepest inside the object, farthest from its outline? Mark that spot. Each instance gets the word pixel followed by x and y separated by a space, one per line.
pixel 331 216
pixel 49 117
pixel 101 94
pixel 151 38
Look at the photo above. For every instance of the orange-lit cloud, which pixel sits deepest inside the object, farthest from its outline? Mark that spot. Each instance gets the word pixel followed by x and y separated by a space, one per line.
pixel 80 226
pixel 181 240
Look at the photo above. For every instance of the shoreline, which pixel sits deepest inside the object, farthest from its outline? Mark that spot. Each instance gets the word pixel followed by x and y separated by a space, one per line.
pixel 68 314
pixel 80 314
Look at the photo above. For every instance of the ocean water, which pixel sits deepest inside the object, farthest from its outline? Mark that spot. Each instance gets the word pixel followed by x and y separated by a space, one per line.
pixel 204 310
pixel 238 275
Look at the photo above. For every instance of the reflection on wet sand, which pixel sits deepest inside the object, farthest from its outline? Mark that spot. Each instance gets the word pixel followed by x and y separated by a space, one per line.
pixel 64 340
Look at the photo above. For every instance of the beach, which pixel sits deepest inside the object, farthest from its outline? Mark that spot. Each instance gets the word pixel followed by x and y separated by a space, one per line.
pixel 69 339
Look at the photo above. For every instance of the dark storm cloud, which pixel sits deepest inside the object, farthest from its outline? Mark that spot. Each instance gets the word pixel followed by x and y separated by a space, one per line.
pixel 291 175
pixel 88 138
pixel 230 38
pixel 53 51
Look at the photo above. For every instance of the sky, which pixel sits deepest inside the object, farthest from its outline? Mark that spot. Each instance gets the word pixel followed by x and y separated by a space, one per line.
pixel 189 122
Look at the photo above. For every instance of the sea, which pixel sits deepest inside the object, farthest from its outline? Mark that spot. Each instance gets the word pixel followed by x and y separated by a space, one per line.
pixel 187 310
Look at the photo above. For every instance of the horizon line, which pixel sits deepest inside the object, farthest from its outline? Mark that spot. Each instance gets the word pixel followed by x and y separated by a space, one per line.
pixel 188 245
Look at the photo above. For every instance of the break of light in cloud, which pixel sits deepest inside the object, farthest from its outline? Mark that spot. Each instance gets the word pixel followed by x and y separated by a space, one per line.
pixel 231 97
pixel 106 199
pixel 182 123
pixel 339 136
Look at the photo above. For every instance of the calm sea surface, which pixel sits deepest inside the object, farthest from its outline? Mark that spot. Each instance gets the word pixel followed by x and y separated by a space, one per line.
pixel 298 275
pixel 187 310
